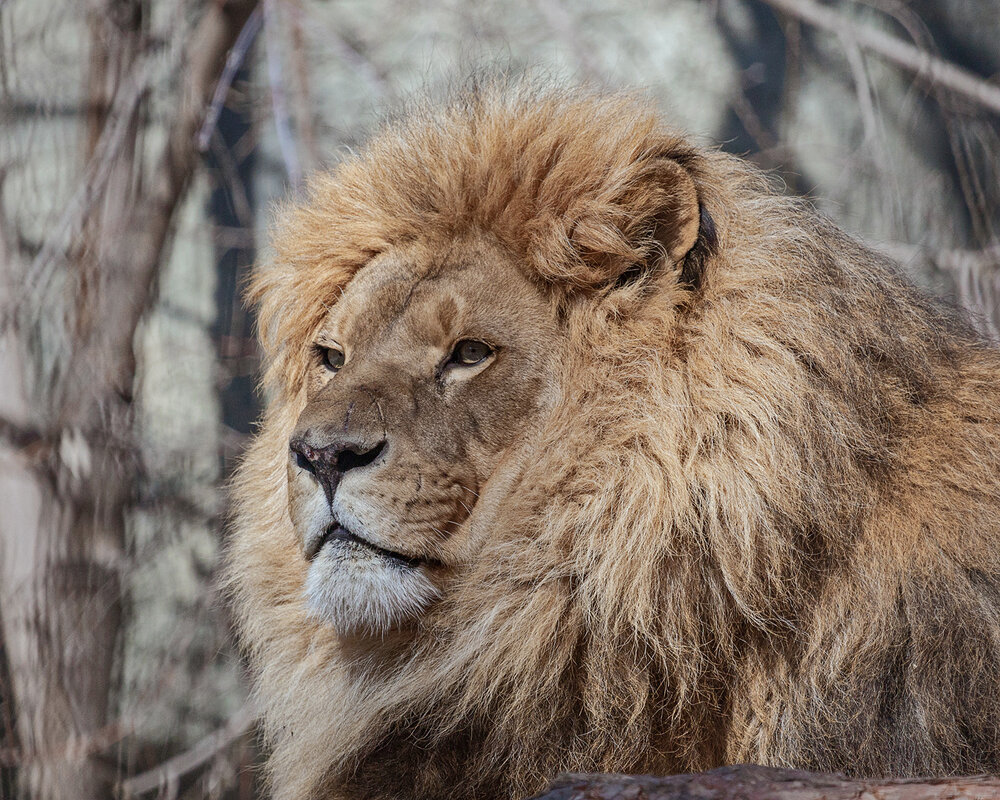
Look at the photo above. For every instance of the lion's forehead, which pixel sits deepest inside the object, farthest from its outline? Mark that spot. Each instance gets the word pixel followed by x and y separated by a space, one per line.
pixel 426 299
pixel 374 298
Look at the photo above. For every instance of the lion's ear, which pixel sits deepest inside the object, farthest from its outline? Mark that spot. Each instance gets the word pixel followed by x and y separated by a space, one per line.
pixel 668 222
pixel 678 219
pixel 642 215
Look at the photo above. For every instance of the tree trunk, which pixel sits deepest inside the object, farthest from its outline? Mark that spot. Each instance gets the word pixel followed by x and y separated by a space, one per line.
pixel 67 457
pixel 62 601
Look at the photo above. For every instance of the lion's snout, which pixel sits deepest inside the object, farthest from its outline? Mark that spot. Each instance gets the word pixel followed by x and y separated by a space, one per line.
pixel 337 432
pixel 328 460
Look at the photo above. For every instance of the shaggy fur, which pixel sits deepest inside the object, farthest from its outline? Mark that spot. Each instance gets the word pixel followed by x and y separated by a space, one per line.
pixel 761 524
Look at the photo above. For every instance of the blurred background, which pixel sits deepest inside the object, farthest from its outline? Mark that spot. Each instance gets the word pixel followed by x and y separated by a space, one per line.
pixel 142 144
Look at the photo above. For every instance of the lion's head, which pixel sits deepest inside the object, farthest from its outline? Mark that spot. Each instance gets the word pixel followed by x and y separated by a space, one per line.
pixel 430 367
pixel 422 366
pixel 583 448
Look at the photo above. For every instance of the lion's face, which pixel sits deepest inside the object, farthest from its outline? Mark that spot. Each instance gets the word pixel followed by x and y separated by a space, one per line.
pixel 426 371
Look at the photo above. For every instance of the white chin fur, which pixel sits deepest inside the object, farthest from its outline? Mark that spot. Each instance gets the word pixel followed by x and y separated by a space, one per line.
pixel 360 592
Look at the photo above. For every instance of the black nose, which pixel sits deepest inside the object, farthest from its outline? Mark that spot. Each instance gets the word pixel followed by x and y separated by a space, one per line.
pixel 328 463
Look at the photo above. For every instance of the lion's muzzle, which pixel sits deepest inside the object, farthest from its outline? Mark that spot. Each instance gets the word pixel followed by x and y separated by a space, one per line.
pixel 329 459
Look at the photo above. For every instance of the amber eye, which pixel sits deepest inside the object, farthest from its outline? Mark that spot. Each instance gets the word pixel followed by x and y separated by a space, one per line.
pixel 333 359
pixel 469 352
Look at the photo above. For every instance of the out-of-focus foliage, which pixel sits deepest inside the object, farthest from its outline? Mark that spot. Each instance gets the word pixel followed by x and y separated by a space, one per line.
pixel 905 163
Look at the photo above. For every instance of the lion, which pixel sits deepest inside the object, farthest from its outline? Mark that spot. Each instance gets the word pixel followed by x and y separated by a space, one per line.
pixel 588 450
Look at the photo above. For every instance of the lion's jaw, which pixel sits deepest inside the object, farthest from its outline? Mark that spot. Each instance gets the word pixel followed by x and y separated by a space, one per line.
pixel 384 535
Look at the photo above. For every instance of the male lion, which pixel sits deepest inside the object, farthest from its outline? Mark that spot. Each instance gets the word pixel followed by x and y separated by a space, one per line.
pixel 588 451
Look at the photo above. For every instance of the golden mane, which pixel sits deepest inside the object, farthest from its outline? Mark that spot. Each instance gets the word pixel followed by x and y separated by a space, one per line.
pixel 568 197
pixel 762 525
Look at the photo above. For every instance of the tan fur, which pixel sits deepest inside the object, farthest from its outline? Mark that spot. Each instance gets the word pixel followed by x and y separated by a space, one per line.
pixel 760 523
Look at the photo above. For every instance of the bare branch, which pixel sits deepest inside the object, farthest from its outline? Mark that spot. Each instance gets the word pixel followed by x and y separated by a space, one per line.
pixel 94 178
pixel 234 60
pixel 862 86
pixel 19 436
pixel 976 276
pixel 286 142
pixel 237 190
pixel 750 120
pixel 76 748
pixel 170 771
pixel 921 63
pixel 302 100
pixel 11 249
pixel 354 56
pixel 152 217
pixel 947 259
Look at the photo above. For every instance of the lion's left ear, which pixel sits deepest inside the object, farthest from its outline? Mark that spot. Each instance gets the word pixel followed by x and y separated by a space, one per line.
pixel 666 223
pixel 636 218
pixel 677 214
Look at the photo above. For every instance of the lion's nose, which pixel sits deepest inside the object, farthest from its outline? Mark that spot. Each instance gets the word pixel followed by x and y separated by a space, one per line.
pixel 329 462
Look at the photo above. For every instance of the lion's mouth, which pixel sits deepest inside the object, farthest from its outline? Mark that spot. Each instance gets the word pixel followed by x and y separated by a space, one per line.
pixel 339 534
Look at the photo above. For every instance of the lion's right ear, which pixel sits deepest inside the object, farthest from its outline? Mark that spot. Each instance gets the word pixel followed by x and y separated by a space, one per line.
pixel 692 267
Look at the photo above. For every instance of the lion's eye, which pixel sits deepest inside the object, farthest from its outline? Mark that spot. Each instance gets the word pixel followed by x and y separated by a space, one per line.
pixel 333 359
pixel 470 351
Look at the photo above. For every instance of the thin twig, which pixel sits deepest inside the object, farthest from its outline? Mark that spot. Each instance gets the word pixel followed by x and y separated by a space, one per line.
pixel 76 748
pixel 870 122
pixel 976 276
pixel 921 63
pixel 354 56
pixel 751 121
pixel 303 104
pixel 171 770
pixel 286 142
pixel 19 436
pixel 231 177
pixel 363 66
pixel 862 86
pixel 11 249
pixel 234 60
